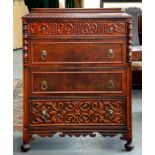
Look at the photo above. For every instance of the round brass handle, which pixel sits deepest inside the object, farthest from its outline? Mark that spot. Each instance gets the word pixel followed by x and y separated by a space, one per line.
pixel 44 112
pixel 111 29
pixel 110 113
pixel 110 53
pixel 43 55
pixel 110 84
pixel 44 85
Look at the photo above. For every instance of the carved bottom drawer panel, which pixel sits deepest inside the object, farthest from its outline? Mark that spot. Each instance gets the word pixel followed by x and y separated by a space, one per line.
pixel 109 81
pixel 77 112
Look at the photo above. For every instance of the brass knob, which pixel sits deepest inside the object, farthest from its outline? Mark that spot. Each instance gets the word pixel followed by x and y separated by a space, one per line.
pixel 110 84
pixel 110 53
pixel 110 113
pixel 44 85
pixel 111 29
pixel 43 55
pixel 44 28
pixel 44 112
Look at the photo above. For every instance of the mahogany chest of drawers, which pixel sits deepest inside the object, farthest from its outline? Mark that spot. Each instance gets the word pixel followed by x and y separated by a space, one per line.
pixel 77 73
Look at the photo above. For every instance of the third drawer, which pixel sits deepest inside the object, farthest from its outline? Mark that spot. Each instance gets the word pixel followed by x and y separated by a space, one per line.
pixel 78 82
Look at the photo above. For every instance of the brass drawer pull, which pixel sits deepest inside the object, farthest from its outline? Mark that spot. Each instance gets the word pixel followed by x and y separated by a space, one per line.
pixel 110 84
pixel 110 113
pixel 111 29
pixel 43 55
pixel 44 85
pixel 44 112
pixel 110 53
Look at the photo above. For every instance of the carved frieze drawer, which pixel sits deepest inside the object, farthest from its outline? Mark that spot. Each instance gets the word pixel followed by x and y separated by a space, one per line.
pixel 77 112
pixel 101 52
pixel 76 28
pixel 107 81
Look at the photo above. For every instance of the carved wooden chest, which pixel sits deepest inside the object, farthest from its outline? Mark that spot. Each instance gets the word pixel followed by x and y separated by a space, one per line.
pixel 77 73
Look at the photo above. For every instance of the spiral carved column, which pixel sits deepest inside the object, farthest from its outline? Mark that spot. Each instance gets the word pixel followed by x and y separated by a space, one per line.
pixel 129 48
pixel 25 42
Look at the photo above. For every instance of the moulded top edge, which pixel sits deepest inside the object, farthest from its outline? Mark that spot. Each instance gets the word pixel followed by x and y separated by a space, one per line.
pixel 77 13
pixel 76 10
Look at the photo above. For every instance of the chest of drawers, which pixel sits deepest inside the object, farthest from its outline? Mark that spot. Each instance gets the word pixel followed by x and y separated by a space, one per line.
pixel 77 73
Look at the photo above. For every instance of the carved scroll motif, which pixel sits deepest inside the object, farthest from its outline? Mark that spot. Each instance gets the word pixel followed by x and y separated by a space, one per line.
pixel 52 28
pixel 25 42
pixel 77 112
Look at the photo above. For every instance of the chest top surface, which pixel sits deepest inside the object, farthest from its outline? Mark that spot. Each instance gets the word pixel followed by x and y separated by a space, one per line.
pixel 76 13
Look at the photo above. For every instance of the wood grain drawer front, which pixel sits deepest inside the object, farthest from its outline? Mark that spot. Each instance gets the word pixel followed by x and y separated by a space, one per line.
pixel 77 112
pixel 77 28
pixel 78 52
pixel 79 82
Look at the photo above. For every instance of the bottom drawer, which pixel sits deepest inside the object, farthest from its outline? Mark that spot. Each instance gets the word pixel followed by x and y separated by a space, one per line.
pixel 77 112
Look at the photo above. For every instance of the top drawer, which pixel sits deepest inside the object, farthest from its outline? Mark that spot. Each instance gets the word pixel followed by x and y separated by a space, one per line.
pixel 80 28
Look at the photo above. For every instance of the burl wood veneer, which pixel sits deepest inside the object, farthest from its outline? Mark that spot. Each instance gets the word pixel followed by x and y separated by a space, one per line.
pixel 77 73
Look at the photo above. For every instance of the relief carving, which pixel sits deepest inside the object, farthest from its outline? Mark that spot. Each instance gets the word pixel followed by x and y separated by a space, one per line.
pixel 77 112
pixel 51 28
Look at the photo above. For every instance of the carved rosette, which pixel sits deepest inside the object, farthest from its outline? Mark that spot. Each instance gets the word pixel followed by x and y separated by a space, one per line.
pixel 76 29
pixel 77 112
pixel 129 41
pixel 25 42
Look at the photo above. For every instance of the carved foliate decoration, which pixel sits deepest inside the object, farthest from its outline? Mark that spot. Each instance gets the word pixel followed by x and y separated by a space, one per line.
pixel 89 28
pixel 129 41
pixel 77 112
pixel 25 42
